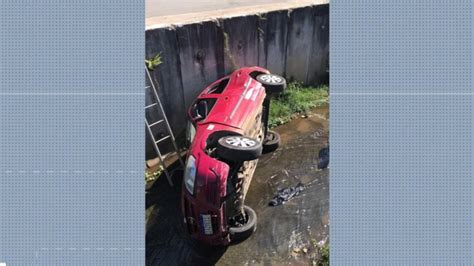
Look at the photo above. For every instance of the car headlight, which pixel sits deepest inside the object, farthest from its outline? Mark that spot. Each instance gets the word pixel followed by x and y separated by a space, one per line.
pixel 190 174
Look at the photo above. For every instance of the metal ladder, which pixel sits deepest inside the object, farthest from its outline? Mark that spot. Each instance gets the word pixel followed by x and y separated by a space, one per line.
pixel 168 128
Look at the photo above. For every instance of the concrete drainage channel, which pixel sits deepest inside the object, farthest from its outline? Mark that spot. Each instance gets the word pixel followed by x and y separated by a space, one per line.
pixel 291 40
pixel 285 234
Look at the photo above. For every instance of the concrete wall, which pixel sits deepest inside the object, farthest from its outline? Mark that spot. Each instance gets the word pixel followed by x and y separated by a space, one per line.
pixel 293 43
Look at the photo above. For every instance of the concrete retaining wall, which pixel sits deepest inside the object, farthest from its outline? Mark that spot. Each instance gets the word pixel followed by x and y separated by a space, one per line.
pixel 293 43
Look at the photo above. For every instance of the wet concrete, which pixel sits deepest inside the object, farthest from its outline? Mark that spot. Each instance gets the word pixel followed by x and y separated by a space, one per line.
pixel 284 233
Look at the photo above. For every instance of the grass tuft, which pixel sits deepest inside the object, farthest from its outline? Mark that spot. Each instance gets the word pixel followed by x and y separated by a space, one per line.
pixel 324 251
pixel 296 99
pixel 321 256
pixel 152 63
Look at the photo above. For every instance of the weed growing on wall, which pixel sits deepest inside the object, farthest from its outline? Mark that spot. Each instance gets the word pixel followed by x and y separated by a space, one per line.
pixel 152 63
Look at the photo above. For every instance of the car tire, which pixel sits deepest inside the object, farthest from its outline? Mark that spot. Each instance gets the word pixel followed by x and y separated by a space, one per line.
pixel 241 233
pixel 238 148
pixel 272 83
pixel 271 141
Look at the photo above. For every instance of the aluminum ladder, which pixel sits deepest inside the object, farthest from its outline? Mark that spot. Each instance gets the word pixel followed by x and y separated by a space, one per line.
pixel 170 135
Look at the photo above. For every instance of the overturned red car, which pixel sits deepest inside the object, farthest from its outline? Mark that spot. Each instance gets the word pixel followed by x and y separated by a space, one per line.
pixel 227 131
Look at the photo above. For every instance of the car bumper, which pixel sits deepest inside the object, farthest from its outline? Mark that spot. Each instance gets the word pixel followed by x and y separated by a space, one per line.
pixel 206 224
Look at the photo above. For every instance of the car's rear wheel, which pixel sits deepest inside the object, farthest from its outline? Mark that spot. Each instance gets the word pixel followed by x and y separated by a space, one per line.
pixel 238 148
pixel 244 230
pixel 271 141
pixel 272 83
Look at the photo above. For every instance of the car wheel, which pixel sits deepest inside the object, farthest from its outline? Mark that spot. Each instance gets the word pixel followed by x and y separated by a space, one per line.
pixel 238 148
pixel 240 233
pixel 272 83
pixel 271 141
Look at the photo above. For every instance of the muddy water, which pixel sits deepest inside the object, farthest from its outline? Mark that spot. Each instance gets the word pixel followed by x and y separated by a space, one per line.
pixel 283 233
pixel 164 8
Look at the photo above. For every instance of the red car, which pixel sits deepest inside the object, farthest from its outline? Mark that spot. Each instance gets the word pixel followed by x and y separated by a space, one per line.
pixel 227 132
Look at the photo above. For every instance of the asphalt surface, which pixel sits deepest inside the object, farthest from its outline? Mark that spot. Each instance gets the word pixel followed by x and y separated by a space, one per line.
pixel 165 8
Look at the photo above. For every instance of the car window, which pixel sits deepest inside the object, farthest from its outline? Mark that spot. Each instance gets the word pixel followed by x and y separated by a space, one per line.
pixel 219 87
pixel 202 108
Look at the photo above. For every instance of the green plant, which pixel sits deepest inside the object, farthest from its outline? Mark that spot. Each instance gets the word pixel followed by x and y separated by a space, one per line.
pixel 296 99
pixel 152 63
pixel 324 259
pixel 321 256
pixel 152 175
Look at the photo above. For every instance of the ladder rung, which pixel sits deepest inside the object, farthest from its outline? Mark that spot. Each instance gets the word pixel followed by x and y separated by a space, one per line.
pixel 160 140
pixel 151 105
pixel 157 122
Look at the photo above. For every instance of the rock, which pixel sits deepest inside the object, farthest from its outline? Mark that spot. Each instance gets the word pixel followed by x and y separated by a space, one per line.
pixel 321 243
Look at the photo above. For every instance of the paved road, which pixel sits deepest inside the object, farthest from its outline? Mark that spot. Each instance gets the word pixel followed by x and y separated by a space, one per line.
pixel 165 8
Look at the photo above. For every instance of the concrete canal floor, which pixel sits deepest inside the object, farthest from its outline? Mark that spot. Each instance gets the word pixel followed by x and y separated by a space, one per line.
pixel 284 233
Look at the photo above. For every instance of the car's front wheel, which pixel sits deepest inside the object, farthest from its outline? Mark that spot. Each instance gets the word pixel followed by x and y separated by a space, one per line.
pixel 272 83
pixel 238 148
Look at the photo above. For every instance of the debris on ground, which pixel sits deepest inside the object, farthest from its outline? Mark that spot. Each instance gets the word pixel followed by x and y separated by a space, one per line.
pixel 320 254
pixel 152 174
pixel 323 158
pixel 283 195
pixel 321 243
pixel 299 250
